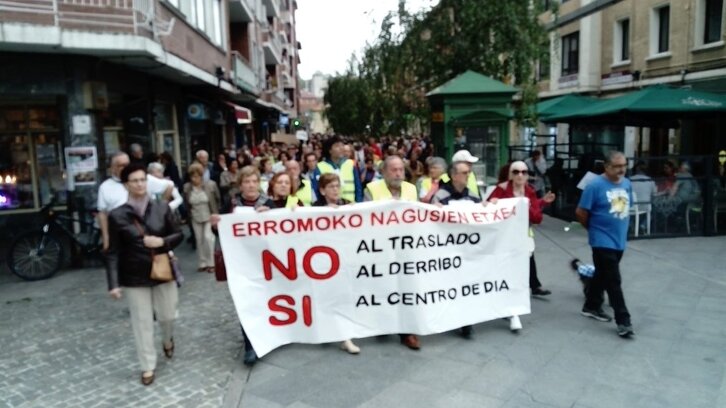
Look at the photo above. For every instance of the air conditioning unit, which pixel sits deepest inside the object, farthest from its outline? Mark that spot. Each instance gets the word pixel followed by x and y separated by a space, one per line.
pixel 95 95
pixel 196 111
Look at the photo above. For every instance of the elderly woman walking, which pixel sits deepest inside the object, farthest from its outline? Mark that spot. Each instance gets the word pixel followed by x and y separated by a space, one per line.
pixel 203 200
pixel 517 186
pixel 139 231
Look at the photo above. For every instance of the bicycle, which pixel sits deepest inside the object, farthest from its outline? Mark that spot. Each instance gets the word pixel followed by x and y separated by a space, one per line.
pixel 37 255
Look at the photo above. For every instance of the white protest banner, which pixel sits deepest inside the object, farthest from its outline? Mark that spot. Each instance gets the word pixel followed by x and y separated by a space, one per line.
pixel 317 275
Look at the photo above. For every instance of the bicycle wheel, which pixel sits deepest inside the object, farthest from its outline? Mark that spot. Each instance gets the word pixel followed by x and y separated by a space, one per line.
pixel 35 256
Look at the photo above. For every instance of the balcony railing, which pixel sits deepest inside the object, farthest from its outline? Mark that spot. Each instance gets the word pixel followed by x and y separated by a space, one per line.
pixel 244 76
pixel 273 8
pixel 271 44
pixel 125 16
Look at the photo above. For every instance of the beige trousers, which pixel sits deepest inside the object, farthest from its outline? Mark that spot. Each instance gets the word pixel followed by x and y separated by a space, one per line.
pixel 144 302
pixel 205 243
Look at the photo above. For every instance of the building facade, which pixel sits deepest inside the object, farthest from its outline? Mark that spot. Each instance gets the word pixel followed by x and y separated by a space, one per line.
pixel 171 75
pixel 610 48
pixel 606 48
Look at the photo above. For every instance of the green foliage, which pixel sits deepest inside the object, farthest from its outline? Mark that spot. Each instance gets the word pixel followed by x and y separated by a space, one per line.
pixel 386 89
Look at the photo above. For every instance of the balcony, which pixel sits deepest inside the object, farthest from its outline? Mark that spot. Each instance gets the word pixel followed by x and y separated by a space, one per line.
pixel 243 75
pixel 287 80
pixel 240 11
pixel 137 17
pixel 273 8
pixel 272 46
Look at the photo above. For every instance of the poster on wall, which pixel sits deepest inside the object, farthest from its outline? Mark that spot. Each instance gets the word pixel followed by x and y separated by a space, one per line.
pixel 82 163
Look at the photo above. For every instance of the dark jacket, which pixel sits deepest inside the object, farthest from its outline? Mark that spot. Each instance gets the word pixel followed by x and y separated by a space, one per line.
pixel 448 193
pixel 128 261
pixel 322 202
pixel 262 201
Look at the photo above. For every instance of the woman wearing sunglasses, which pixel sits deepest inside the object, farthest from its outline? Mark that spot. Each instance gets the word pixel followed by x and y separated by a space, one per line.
pixel 518 186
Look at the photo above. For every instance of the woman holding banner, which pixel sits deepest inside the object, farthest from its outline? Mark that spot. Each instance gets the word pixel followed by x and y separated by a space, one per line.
pixel 517 186
pixel 329 185
pixel 282 192
pixel 249 196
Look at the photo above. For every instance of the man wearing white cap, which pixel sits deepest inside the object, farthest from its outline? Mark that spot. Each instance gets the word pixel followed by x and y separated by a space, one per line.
pixel 465 156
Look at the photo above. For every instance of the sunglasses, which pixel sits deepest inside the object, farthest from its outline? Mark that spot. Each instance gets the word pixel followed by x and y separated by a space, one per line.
pixel 522 172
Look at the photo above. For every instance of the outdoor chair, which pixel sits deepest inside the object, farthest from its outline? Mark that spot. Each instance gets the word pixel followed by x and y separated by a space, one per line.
pixel 638 209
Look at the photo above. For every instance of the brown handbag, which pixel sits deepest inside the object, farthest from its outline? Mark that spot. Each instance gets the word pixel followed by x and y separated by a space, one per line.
pixel 160 263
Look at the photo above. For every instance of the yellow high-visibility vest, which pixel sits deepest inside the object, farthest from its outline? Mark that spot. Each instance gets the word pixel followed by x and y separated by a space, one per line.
pixel 305 193
pixel 347 177
pixel 291 201
pixel 379 191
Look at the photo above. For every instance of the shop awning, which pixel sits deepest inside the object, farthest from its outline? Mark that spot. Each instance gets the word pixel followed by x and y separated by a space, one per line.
pixel 563 105
pixel 654 103
pixel 243 115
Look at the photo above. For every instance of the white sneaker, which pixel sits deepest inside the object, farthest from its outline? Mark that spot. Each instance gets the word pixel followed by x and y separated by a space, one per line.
pixel 350 347
pixel 515 324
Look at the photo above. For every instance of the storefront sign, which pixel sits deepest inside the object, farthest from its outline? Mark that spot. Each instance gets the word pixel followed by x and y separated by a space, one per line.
pixel 568 81
pixel 81 124
pixel 81 164
pixel 614 78
pixel 284 138
pixel 318 275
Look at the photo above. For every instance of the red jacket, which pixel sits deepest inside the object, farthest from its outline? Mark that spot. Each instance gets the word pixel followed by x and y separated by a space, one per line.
pixel 505 190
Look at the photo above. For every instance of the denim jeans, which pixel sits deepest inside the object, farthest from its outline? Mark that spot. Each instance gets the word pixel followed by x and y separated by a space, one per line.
pixel 607 279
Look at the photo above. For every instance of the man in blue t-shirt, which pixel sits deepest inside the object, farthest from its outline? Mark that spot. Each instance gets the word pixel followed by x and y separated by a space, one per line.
pixel 604 210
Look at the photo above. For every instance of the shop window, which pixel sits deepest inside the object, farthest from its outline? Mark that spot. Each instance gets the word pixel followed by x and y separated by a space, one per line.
pixel 31 167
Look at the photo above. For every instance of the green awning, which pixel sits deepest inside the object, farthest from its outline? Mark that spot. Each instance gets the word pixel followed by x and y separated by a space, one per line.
pixel 647 104
pixel 563 105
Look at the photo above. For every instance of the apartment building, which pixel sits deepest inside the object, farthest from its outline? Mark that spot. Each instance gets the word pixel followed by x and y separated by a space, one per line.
pixel 170 75
pixel 606 48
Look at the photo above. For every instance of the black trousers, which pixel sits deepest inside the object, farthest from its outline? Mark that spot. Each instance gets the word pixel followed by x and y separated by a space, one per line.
pixel 248 344
pixel 534 282
pixel 607 279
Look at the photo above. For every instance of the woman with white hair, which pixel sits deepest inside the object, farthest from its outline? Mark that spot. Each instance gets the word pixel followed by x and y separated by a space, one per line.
pixel 518 186
pixel 429 185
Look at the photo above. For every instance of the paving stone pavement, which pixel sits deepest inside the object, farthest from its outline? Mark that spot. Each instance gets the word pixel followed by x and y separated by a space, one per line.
pixel 67 344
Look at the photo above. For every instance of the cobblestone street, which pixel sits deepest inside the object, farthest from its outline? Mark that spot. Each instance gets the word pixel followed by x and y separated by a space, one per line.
pixel 66 343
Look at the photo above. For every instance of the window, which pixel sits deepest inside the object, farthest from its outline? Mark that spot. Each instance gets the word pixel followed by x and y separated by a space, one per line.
pixel 543 64
pixel 660 30
pixel 712 21
pixel 216 23
pixel 200 20
pixel 621 41
pixel 570 54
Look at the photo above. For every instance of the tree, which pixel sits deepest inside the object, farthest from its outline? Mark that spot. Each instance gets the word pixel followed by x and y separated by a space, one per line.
pixel 349 95
pixel 502 39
